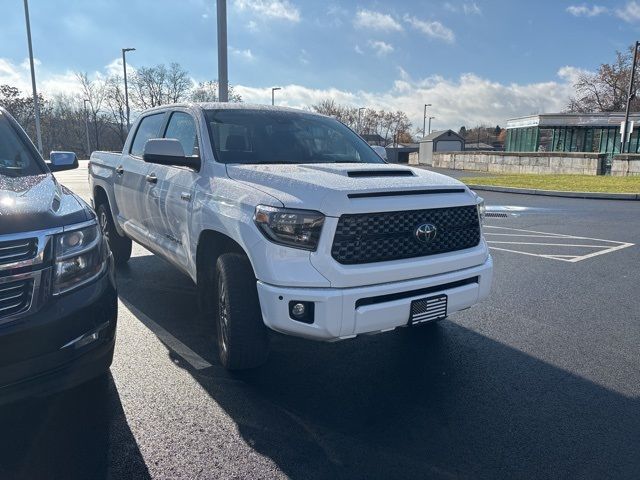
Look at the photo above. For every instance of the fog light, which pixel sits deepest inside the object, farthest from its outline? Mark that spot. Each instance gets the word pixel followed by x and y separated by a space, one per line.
pixel 298 310
pixel 301 311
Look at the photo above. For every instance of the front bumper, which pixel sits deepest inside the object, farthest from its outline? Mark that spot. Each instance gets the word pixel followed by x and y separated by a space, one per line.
pixel 67 342
pixel 342 313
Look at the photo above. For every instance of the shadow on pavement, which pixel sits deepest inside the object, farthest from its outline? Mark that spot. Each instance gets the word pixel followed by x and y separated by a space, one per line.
pixel 453 405
pixel 78 434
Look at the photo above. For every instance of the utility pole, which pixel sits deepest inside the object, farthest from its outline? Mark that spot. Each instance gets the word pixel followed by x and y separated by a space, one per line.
pixel 273 97
pixel 424 119
pixel 630 96
pixel 86 126
pixel 430 118
pixel 126 87
pixel 223 73
pixel 36 104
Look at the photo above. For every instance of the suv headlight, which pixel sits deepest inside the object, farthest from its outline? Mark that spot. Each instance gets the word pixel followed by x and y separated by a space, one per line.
pixel 80 256
pixel 294 228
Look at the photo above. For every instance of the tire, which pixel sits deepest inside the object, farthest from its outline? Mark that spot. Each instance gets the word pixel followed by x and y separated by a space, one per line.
pixel 120 246
pixel 243 338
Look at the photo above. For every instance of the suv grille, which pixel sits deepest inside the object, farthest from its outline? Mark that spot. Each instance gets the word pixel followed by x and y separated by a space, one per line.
pixel 18 250
pixel 15 297
pixel 377 237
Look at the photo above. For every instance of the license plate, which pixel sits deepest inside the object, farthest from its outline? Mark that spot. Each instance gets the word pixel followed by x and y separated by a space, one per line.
pixel 428 309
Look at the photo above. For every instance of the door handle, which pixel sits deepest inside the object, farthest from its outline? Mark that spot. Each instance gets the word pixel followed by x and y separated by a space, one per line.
pixel 151 178
pixel 119 169
pixel 186 196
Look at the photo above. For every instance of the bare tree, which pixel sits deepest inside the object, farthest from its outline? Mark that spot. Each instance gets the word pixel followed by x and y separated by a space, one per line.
pixel 94 92
pixel 606 89
pixel 208 92
pixel 159 85
pixel 116 105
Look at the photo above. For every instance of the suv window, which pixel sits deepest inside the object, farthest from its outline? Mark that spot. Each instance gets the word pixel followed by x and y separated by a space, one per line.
pixel 16 158
pixel 182 127
pixel 149 128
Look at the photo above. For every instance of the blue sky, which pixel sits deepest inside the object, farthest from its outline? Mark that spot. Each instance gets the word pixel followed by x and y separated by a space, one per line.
pixel 476 61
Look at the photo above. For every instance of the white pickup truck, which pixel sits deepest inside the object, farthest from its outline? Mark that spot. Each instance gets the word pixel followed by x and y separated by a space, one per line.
pixel 288 220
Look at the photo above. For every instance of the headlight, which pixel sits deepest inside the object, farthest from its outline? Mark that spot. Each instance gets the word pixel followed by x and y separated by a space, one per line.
pixel 294 228
pixel 80 256
pixel 481 209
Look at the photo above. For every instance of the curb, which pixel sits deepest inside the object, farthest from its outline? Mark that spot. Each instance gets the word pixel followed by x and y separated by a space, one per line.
pixel 557 193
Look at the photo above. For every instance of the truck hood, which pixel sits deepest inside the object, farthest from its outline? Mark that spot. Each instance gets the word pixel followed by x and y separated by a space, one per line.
pixel 37 202
pixel 334 189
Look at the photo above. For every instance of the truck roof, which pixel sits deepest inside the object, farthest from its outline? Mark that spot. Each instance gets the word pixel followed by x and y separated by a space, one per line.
pixel 232 106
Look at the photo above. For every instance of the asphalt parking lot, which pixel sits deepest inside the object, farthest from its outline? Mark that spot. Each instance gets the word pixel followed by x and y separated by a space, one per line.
pixel 540 381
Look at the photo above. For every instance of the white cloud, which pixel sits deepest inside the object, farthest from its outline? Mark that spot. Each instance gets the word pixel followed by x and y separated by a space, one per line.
pixel 381 48
pixel 469 100
pixel 432 29
pixel 469 8
pixel 586 11
pixel 252 26
pixel 244 54
pixel 630 13
pixel 376 21
pixel 280 9
pixel 358 50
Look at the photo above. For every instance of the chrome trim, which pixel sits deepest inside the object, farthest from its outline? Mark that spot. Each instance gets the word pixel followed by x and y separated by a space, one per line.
pixel 37 298
pixel 86 338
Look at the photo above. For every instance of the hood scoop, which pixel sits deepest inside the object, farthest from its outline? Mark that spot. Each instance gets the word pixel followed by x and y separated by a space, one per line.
pixel 380 173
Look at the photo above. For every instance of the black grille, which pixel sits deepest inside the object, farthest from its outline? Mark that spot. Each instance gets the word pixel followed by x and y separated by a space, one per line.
pixel 18 250
pixel 15 297
pixel 377 237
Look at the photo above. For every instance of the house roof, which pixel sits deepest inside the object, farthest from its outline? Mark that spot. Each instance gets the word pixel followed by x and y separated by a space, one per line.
pixel 442 133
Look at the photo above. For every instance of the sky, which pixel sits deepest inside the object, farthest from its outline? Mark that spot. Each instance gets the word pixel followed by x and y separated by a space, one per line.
pixel 476 62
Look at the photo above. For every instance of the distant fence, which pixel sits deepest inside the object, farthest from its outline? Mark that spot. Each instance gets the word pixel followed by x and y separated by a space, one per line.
pixel 524 162
pixel 625 165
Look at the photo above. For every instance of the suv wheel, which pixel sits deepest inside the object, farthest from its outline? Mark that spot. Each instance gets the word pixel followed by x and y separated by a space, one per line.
pixel 243 339
pixel 120 246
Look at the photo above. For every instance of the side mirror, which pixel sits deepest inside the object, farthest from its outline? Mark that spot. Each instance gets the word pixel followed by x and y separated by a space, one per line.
pixel 168 151
pixel 381 151
pixel 59 161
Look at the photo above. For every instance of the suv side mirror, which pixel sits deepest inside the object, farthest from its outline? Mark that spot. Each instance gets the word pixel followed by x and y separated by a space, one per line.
pixel 168 151
pixel 59 161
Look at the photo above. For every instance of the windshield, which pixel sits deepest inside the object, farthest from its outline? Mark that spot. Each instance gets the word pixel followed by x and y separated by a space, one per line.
pixel 266 136
pixel 16 158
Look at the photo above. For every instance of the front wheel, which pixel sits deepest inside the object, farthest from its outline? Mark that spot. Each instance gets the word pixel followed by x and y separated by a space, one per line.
pixel 120 246
pixel 243 339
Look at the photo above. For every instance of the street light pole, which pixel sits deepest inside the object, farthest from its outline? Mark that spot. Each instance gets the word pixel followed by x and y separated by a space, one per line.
pixel 223 73
pixel 36 104
pixel 424 119
pixel 273 98
pixel 430 118
pixel 86 126
pixel 360 119
pixel 630 96
pixel 126 86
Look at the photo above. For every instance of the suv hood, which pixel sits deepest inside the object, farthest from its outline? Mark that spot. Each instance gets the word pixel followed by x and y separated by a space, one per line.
pixel 334 189
pixel 37 202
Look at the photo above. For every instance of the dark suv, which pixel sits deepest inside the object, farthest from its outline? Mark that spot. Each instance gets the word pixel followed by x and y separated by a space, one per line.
pixel 58 301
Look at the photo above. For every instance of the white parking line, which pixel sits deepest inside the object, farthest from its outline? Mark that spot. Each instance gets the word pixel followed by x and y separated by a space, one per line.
pixel 556 251
pixel 191 357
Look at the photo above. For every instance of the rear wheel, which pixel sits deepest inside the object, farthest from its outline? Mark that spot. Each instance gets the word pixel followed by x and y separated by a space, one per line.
pixel 120 246
pixel 243 339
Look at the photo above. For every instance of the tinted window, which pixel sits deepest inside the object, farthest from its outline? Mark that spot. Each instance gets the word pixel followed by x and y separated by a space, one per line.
pixel 182 127
pixel 17 158
pixel 149 128
pixel 263 136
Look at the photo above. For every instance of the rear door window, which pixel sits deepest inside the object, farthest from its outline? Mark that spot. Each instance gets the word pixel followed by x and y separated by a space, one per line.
pixel 182 127
pixel 149 128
